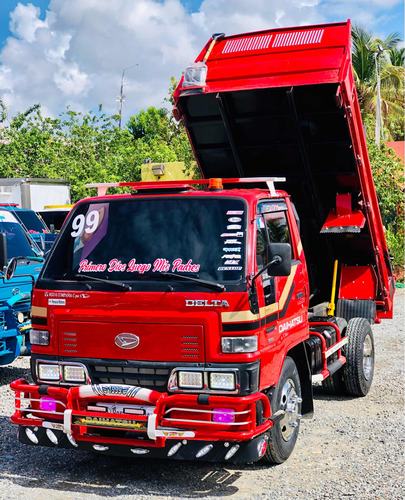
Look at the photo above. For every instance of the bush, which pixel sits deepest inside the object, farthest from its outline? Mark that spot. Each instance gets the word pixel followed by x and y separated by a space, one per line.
pixel 388 172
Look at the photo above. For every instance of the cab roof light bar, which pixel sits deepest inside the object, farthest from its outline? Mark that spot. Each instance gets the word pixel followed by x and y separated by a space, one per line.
pixel 102 187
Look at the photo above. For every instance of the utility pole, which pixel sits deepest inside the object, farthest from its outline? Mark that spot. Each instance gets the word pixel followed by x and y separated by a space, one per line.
pixel 378 118
pixel 121 97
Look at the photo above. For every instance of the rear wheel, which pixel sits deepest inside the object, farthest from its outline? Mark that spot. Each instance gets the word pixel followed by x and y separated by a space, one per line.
pixel 359 351
pixel 287 397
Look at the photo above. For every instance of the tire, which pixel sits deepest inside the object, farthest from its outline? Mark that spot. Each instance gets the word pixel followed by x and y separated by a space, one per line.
pixel 283 435
pixel 359 352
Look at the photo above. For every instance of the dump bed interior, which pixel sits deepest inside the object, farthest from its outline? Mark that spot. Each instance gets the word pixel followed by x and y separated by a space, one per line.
pixel 283 103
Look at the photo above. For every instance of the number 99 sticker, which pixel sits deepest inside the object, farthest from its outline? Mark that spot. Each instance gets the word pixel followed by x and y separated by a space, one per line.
pixel 87 224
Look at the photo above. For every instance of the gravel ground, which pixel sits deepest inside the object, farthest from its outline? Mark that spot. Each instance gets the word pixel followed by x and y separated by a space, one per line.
pixel 351 449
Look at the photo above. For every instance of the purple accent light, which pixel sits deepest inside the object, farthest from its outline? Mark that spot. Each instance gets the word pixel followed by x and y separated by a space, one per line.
pixel 223 415
pixel 47 404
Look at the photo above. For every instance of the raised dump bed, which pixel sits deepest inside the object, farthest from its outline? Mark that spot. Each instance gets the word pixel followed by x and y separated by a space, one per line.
pixel 283 103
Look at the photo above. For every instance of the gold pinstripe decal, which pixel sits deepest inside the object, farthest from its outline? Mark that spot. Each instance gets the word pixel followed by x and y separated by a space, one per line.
pixel 287 287
pixel 244 316
pixel 238 316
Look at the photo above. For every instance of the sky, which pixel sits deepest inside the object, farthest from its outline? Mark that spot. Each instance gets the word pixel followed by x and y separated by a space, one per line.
pixel 72 53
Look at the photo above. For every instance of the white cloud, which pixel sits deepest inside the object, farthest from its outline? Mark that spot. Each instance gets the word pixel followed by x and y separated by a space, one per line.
pixel 24 22
pixel 77 53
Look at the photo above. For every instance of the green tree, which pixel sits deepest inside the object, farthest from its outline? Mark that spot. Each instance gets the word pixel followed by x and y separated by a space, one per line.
pixel 388 176
pixel 158 137
pixel 81 148
pixel 391 73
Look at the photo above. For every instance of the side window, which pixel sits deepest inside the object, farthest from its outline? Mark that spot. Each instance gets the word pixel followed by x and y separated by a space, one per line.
pixel 269 290
pixel 277 227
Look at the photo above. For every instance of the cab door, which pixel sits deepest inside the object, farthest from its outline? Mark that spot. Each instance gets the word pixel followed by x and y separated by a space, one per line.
pixel 283 311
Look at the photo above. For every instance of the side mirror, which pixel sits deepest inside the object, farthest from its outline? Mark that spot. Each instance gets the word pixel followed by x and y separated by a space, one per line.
pixel 10 269
pixel 279 259
pixel 279 264
pixel 3 251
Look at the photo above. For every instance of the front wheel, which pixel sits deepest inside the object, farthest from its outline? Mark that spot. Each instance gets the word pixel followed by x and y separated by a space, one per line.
pixel 359 351
pixel 287 397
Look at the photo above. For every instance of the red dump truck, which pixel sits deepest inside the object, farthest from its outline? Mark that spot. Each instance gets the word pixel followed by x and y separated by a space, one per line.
pixel 189 320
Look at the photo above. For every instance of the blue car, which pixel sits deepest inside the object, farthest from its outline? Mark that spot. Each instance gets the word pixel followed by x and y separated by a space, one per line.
pixel 17 249
pixel 33 225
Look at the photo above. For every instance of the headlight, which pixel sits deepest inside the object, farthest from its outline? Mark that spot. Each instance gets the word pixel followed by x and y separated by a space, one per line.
pixel 190 380
pixel 74 373
pixel 222 381
pixel 239 344
pixel 48 372
pixel 39 337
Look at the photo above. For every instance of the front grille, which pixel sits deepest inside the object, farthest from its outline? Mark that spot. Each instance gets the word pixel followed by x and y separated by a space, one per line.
pixel 144 375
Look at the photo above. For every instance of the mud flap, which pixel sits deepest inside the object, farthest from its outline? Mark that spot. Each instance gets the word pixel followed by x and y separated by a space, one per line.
pixel 356 308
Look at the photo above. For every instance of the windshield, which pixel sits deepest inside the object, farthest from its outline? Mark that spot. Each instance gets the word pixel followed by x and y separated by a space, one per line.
pixel 17 244
pixel 31 221
pixel 139 238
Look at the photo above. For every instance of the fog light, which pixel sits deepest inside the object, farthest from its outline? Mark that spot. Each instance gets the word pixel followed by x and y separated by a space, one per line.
pixel 222 381
pixel 47 404
pixel 262 446
pixel 72 440
pixel 204 450
pixel 232 452
pixel 223 415
pixel 51 436
pixel 174 449
pixel 31 435
pixel 139 451
pixel 48 372
pixel 39 337
pixel 100 447
pixel 74 374
pixel 190 380
pixel 20 317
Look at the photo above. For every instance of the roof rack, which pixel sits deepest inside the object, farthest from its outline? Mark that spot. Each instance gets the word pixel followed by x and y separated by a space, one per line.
pixel 102 187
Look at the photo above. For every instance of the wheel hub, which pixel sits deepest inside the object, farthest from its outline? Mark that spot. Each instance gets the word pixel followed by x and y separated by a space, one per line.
pixel 290 402
pixel 367 357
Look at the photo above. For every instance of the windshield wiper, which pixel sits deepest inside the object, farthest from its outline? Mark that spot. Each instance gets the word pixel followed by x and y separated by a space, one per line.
pixel 209 284
pixel 126 287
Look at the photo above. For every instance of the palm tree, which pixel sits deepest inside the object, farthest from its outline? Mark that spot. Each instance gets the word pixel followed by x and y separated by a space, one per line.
pixel 370 55
pixel 3 108
pixel 397 56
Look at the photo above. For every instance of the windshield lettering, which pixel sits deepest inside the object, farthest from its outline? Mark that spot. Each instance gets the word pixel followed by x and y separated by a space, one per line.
pixel 159 266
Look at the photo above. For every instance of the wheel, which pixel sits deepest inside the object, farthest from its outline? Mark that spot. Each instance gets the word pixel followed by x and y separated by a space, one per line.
pixel 287 396
pixel 359 352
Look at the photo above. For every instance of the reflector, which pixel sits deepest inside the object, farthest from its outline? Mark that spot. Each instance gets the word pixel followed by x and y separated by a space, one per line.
pixel 47 404
pixel 223 415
